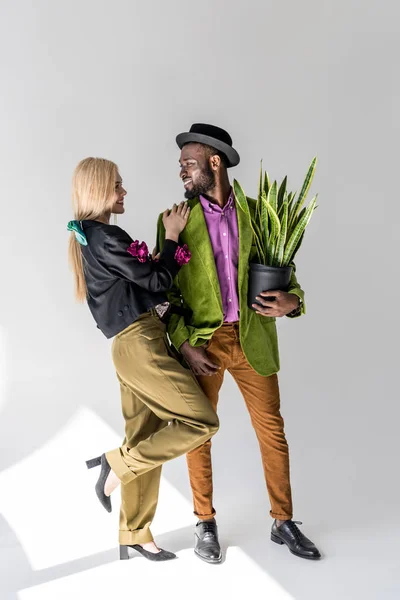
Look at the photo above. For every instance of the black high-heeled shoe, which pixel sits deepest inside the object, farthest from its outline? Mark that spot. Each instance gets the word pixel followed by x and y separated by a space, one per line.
pixel 158 557
pixel 99 487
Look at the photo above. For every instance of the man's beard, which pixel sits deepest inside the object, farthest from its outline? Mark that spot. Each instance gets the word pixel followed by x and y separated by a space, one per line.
pixel 205 183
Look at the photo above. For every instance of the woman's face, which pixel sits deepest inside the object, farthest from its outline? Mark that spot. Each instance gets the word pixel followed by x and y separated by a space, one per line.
pixel 119 194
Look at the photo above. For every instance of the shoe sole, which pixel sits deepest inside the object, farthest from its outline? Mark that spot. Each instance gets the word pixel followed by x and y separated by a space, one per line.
pixel 210 561
pixel 278 540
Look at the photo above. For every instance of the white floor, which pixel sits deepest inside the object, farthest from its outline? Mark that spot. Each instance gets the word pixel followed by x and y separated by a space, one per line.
pixel 56 541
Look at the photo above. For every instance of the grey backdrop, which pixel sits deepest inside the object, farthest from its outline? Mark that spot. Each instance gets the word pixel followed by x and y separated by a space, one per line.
pixel 288 80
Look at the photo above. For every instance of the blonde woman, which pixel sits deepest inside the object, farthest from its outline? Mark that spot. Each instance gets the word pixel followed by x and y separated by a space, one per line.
pixel 166 413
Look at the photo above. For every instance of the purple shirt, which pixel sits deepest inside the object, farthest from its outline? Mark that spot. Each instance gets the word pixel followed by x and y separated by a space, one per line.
pixel 224 236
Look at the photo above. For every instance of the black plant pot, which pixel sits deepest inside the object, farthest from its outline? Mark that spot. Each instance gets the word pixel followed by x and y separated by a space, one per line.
pixel 263 278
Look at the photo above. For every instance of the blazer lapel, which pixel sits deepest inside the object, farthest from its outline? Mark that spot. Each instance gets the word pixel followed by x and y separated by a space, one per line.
pixel 245 240
pixel 197 238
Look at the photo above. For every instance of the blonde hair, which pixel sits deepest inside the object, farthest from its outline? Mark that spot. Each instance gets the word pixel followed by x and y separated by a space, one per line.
pixel 93 187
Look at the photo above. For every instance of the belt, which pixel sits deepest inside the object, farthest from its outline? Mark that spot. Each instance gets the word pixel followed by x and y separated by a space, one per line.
pixel 172 309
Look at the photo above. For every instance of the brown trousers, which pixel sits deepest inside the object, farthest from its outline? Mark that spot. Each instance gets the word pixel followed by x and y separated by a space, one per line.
pixel 261 395
pixel 166 415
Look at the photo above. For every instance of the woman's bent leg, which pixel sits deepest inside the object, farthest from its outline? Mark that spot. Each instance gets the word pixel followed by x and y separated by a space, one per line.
pixel 165 388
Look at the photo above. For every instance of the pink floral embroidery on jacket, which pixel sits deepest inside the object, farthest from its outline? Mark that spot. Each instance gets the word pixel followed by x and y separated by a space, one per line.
pixel 182 255
pixel 139 251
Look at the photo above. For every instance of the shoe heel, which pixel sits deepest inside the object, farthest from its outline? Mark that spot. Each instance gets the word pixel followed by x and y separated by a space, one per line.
pixel 94 462
pixel 123 553
pixel 275 539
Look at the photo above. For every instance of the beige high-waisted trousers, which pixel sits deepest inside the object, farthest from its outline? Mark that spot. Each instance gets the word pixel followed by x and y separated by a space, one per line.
pixel 166 414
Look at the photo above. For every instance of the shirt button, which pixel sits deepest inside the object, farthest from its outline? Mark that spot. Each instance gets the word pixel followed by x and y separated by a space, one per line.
pixel 224 233
pixel 226 256
pixel 126 307
pixel 120 313
pixel 229 299
pixel 229 278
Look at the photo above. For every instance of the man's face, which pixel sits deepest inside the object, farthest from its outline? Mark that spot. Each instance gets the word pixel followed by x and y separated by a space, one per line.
pixel 196 173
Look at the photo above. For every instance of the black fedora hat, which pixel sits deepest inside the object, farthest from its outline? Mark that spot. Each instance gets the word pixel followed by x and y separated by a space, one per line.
pixel 212 136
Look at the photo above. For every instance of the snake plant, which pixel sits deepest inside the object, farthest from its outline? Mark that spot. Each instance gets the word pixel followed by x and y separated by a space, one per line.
pixel 280 219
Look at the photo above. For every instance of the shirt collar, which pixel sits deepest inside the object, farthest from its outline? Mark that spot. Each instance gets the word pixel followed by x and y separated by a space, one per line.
pixel 212 207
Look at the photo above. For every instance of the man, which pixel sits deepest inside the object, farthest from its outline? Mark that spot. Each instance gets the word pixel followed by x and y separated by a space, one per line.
pixel 213 330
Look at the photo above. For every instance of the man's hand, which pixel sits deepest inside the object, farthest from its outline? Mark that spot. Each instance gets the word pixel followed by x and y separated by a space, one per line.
pixel 198 360
pixel 275 303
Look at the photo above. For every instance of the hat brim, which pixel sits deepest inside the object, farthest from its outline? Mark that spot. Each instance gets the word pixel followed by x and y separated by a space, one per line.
pixel 231 154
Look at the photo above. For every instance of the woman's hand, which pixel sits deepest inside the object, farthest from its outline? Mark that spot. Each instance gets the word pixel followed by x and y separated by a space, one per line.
pixel 175 220
pixel 155 255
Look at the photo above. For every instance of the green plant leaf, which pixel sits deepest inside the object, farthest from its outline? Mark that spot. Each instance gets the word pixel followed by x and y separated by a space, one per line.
pixel 293 243
pixel 291 201
pixel 308 179
pixel 297 247
pixel 253 216
pixel 280 208
pixel 304 191
pixel 275 230
pixel 272 196
pixel 258 238
pixel 296 219
pixel 241 198
pixel 280 247
pixel 281 193
pixel 264 222
pixel 257 216
pixel 267 183
pixel 260 182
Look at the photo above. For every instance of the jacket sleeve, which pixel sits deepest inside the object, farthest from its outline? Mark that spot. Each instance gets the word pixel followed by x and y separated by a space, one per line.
pixel 177 330
pixel 154 276
pixel 294 288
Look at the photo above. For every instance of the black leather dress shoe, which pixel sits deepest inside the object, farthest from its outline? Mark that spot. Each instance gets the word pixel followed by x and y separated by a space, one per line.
pixel 206 544
pixel 288 533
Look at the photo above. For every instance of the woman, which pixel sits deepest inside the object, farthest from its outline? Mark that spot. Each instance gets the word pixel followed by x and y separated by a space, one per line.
pixel 166 413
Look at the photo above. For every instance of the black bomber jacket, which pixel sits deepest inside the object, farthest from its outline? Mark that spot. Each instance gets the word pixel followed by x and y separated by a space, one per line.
pixel 120 287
